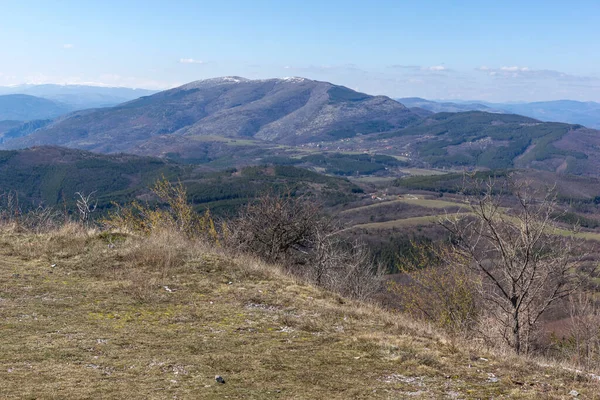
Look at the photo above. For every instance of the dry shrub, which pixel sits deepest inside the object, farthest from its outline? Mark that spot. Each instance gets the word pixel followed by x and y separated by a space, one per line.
pixel 277 228
pixel 176 214
pixel 346 268
pixel 439 289
pixel 41 219
pixel 292 231
pixel 582 345
pixel 163 251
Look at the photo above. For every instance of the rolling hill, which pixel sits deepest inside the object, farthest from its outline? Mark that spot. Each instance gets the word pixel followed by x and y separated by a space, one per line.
pixel 51 176
pixel 21 107
pixel 568 111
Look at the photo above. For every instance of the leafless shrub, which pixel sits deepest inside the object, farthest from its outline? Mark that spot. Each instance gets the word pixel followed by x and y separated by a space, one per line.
pixel 582 345
pixel 440 288
pixel 356 274
pixel 292 231
pixel 278 227
pixel 86 205
pixel 42 220
pixel 10 210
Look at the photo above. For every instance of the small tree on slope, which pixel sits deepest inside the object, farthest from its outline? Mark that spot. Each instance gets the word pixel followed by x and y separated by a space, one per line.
pixel 525 263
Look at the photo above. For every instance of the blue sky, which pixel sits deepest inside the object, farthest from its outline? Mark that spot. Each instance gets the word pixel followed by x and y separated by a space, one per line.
pixel 446 49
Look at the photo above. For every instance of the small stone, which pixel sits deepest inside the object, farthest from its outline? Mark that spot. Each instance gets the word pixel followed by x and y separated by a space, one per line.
pixel 574 393
pixel 492 378
pixel 219 379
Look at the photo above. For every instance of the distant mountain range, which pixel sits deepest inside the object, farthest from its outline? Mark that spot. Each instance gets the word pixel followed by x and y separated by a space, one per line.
pixel 232 121
pixel 79 97
pixel 569 111
pixel 22 107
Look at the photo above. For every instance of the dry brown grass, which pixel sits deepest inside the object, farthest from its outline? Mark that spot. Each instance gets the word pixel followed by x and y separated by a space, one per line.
pixel 101 324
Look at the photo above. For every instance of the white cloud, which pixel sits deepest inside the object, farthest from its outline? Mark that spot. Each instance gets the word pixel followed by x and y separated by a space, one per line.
pixel 435 68
pixel 103 80
pixel 515 69
pixel 68 46
pixel 516 72
pixel 190 61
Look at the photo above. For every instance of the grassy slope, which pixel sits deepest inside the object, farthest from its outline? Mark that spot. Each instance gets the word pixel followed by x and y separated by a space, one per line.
pixel 101 324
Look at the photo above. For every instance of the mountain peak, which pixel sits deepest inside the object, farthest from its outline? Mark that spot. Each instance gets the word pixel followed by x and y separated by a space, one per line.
pixel 230 80
pixel 224 80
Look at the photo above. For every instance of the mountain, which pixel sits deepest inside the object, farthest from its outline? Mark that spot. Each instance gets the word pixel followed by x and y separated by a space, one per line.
pixel 569 111
pixel 78 97
pixel 232 121
pixel 573 112
pixel 285 111
pixel 25 107
pixel 436 107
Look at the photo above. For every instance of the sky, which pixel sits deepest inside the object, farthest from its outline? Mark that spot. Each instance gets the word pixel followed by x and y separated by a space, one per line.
pixel 437 49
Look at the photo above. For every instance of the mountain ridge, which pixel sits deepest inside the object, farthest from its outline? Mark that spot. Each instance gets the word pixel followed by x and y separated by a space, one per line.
pixel 585 113
pixel 281 110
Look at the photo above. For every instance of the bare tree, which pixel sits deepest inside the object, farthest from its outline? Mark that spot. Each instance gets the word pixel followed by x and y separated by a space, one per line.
pixel 86 205
pixel 525 264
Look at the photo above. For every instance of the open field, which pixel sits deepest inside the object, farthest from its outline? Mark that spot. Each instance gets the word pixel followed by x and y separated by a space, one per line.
pixel 422 172
pixel 431 219
pixel 397 223
pixel 99 316
pixel 416 201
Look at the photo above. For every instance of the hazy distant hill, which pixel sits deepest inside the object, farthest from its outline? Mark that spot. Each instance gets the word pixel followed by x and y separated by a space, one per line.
pixel 293 110
pixel 435 106
pixel 78 97
pixel 22 107
pixel 574 112
pixel 569 111
pixel 7 125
